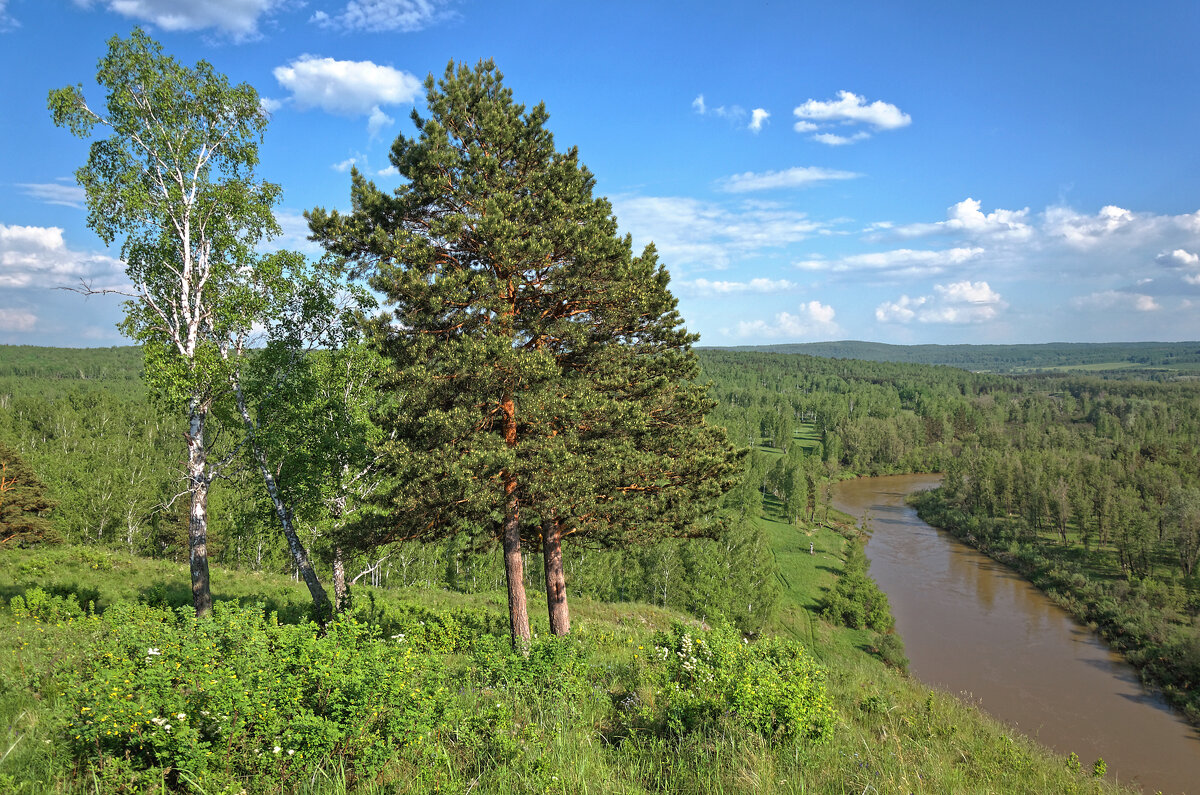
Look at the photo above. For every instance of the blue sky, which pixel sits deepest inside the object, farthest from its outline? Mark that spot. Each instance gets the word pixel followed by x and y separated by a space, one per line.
pixel 900 172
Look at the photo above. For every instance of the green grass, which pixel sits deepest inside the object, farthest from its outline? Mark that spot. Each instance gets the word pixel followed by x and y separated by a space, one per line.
pixel 891 734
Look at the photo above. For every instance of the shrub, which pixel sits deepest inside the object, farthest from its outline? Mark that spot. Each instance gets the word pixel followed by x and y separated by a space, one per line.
pixel 237 698
pixel 772 686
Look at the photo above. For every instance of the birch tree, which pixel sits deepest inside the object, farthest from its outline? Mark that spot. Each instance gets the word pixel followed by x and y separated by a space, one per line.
pixel 174 181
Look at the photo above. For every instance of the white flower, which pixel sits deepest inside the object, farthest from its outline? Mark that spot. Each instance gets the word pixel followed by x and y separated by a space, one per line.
pixel 158 721
pixel 181 715
pixel 278 749
pixel 152 652
pixel 291 751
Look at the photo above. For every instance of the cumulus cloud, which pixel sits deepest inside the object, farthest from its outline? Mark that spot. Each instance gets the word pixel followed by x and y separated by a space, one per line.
pixel 384 16
pixel 848 109
pixel 345 165
pixel 348 88
pixel 760 285
pixel 812 319
pixel 897 262
pixel 55 193
pixel 390 171
pixel 37 256
pixel 235 18
pixel 690 231
pixel 797 177
pixel 966 219
pixel 698 104
pixel 758 117
pixel 1117 300
pixel 956 303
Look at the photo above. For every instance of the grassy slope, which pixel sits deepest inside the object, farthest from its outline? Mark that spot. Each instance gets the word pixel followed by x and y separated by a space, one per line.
pixel 892 734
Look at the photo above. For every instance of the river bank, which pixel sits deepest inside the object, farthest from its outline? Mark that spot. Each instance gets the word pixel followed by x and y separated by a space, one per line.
pixel 975 628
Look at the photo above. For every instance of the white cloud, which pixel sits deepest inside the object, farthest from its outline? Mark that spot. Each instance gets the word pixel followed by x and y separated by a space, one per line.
pixel 345 165
pixel 55 193
pixel 1179 259
pixel 6 21
pixel 390 171
pixel 813 319
pixel 797 177
pixel 294 234
pixel 377 121
pixel 850 108
pixel 690 231
pixel 37 256
pixel 760 285
pixel 236 18
pixel 967 220
pixel 734 113
pixel 1116 300
pixel 958 303
pixel 384 16
pixel 347 88
pixel 903 261
pixel 757 117
pixel 804 126
pixel 832 139
pixel 17 319
pixel 270 105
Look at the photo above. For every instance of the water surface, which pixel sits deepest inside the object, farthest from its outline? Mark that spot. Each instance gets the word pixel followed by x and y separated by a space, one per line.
pixel 974 628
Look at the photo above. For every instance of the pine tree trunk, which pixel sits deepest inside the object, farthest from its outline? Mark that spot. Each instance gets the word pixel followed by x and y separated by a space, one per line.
pixel 341 591
pixel 299 553
pixel 198 483
pixel 514 567
pixel 514 570
pixel 556 583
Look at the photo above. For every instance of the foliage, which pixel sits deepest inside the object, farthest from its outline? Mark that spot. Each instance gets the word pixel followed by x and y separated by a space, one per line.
pixel 23 502
pixel 773 687
pixel 856 600
pixel 548 386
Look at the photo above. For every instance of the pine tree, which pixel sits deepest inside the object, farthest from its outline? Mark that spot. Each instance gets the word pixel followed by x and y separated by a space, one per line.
pixel 542 384
pixel 23 502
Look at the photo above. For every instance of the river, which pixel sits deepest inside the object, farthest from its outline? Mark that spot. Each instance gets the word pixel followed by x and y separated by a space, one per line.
pixel 975 628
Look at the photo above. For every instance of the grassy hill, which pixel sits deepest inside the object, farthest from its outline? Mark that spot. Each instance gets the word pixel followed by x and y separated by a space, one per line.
pixel 600 712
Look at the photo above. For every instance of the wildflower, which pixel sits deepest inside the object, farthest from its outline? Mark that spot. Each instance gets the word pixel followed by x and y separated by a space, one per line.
pixel 181 715
pixel 277 749
pixel 152 652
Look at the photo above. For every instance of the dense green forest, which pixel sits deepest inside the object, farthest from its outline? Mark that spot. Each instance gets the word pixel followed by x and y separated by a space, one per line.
pixel 1142 359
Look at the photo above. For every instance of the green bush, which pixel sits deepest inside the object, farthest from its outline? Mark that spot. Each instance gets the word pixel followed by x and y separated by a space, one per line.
pixel 772 686
pixel 238 699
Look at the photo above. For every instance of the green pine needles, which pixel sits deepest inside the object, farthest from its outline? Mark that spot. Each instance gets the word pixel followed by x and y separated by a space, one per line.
pixel 542 383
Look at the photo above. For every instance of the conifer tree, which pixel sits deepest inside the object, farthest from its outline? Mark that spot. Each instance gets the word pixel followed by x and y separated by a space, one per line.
pixel 542 385
pixel 23 502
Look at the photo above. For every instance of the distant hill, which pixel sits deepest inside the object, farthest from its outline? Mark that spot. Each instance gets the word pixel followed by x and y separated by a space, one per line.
pixel 71 364
pixel 1087 356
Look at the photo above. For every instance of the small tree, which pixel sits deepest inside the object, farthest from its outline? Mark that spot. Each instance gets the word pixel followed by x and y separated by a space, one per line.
pixel 175 182
pixel 23 502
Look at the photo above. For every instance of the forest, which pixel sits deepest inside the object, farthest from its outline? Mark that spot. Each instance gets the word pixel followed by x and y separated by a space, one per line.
pixel 482 400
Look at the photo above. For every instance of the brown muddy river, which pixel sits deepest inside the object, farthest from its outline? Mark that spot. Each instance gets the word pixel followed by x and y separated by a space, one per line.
pixel 974 628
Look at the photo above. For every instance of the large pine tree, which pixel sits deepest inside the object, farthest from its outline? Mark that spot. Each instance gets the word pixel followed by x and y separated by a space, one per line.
pixel 542 382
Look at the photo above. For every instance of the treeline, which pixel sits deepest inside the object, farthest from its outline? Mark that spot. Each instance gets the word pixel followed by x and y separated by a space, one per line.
pixel 1167 356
